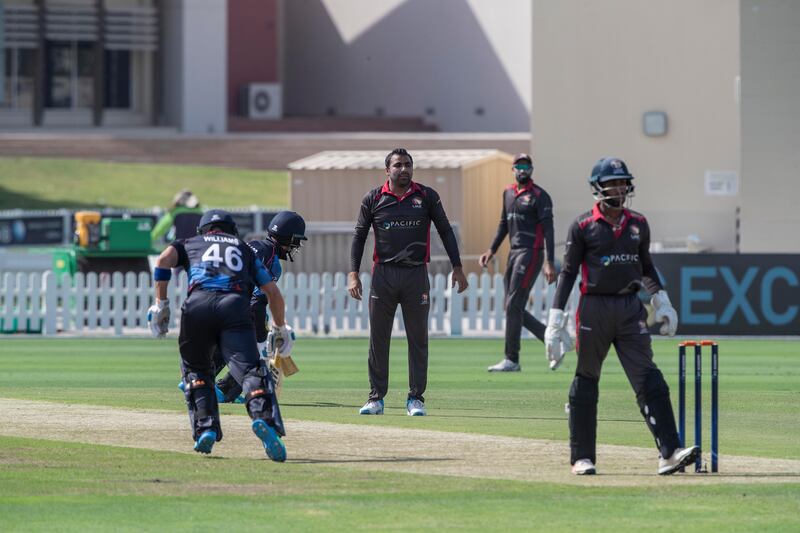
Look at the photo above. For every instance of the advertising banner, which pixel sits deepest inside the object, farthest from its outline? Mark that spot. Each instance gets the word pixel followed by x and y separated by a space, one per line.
pixel 32 230
pixel 733 294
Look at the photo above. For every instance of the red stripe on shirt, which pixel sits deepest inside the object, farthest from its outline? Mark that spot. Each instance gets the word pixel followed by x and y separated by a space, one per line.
pixel 537 246
pixel 584 277
pixel 428 245
pixel 578 324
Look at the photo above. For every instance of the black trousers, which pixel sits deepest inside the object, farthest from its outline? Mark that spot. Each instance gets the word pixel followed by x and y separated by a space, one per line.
pixel 523 267
pixel 210 320
pixel 213 319
pixel 231 389
pixel 620 320
pixel 409 287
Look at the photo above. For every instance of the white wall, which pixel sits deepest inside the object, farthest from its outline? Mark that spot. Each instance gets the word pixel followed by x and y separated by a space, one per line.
pixel 598 66
pixel 770 125
pixel 205 66
pixel 195 65
pixel 508 29
pixel 409 57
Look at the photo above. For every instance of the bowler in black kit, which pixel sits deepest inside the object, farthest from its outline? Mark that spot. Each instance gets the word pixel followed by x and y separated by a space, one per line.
pixel 400 213
pixel 610 247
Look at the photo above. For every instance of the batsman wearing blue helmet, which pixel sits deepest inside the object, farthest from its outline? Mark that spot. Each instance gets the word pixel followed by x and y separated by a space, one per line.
pixel 285 236
pixel 222 272
pixel 610 247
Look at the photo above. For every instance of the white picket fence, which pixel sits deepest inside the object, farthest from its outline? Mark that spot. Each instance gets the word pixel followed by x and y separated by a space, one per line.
pixel 315 303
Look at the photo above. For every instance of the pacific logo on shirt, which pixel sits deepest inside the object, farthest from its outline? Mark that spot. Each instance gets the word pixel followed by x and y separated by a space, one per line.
pixel 619 259
pixel 401 224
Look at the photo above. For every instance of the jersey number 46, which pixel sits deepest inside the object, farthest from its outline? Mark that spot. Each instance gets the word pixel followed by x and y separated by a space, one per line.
pixel 232 257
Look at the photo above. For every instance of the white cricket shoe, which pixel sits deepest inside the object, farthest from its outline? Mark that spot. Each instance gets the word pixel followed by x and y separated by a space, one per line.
pixel 415 408
pixel 506 365
pixel 680 458
pixel 372 407
pixel 583 467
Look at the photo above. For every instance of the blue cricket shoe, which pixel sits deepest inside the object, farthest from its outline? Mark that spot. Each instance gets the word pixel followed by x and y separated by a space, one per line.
pixel 272 442
pixel 206 441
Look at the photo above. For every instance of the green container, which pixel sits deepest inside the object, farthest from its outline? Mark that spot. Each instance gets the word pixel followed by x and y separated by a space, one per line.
pixel 125 235
pixel 64 261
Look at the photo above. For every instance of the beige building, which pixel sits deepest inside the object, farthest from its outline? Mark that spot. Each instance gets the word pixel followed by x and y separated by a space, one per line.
pixel 699 98
pixel 599 67
pixel 329 186
pixel 770 117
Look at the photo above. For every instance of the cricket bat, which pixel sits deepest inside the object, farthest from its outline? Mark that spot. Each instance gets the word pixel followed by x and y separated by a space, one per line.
pixel 286 364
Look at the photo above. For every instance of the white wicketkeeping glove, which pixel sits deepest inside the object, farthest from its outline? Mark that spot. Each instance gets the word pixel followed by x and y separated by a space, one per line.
pixel 665 313
pixel 557 341
pixel 283 339
pixel 158 318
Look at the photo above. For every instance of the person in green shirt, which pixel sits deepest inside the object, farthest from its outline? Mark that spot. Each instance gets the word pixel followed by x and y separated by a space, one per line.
pixel 182 217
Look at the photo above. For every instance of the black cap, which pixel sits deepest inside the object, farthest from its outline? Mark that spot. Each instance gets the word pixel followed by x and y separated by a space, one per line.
pixel 523 157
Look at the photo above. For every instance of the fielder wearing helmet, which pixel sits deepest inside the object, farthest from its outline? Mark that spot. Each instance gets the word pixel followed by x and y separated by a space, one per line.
pixel 605 171
pixel 609 247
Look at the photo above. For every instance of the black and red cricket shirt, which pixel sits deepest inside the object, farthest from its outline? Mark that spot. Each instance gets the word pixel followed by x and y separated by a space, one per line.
pixel 402 227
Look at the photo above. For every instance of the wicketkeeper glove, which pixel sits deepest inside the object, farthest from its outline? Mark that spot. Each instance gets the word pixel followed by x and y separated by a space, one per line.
pixel 665 313
pixel 158 318
pixel 557 340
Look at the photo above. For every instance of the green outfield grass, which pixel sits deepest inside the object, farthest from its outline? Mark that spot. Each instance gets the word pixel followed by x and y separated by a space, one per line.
pixel 89 487
pixel 43 183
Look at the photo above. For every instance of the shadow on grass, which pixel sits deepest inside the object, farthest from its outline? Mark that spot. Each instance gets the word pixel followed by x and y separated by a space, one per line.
pixel 437 415
pixel 372 460
pixel 704 475
pixel 17 200
pixel 318 404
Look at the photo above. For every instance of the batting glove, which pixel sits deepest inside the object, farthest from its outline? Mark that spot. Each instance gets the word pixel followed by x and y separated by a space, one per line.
pixel 283 339
pixel 158 318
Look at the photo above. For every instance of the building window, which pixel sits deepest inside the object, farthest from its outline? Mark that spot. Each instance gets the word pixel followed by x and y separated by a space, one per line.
pixel 18 68
pixel 69 69
pixel 117 79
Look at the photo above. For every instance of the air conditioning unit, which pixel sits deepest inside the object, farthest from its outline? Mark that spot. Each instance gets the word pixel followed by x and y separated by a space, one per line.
pixel 261 101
